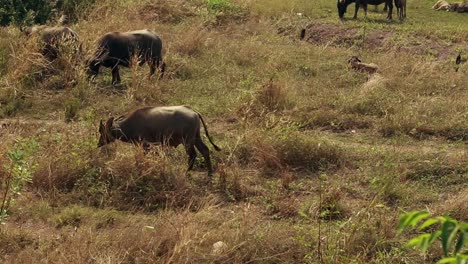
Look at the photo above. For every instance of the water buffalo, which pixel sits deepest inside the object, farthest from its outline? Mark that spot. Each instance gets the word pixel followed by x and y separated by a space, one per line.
pixel 53 38
pixel 343 4
pixel 171 125
pixel 119 48
pixel 401 8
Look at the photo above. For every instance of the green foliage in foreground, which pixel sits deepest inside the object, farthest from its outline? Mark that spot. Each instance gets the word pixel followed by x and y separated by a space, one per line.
pixel 29 12
pixel 452 234
pixel 19 171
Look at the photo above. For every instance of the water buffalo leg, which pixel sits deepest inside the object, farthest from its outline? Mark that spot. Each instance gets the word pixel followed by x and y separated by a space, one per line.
pixel 192 155
pixel 390 10
pixel 146 147
pixel 162 68
pixel 152 64
pixel 206 154
pixel 115 75
pixel 358 3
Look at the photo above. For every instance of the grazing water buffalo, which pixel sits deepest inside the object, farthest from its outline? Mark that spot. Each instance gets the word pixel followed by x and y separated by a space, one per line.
pixel 171 125
pixel 53 38
pixel 343 4
pixel 119 48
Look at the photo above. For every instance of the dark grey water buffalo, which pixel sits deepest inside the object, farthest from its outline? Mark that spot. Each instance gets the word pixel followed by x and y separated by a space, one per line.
pixel 343 4
pixel 401 8
pixel 52 39
pixel 171 125
pixel 120 48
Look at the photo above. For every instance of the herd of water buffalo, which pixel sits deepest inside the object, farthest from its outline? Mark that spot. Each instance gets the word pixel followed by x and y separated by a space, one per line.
pixel 173 125
pixel 399 4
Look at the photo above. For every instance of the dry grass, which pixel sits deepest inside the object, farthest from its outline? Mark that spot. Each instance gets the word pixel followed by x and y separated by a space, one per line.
pixel 306 142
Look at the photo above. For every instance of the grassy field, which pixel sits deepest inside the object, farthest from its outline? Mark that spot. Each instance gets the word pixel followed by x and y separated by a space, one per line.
pixel 318 160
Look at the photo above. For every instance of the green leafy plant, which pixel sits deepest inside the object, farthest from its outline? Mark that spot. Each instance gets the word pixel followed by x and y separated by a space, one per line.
pixel 19 171
pixel 452 234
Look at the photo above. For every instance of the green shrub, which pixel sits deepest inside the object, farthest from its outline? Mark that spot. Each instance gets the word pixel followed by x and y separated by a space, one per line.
pixel 19 171
pixel 29 12
pixel 72 107
pixel 452 234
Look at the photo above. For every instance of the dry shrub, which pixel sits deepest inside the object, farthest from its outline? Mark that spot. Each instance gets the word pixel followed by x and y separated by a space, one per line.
pixel 12 101
pixel 369 232
pixel 332 120
pixel 166 11
pixel 233 183
pixel 71 155
pixel 30 69
pixel 301 152
pixel 273 95
pixel 455 205
pixel 332 207
pixel 191 43
pixel 182 236
pixel 283 206
pixel 13 241
pixel 279 152
pixel 376 101
pixel 118 175
pixel 148 182
pixel 266 101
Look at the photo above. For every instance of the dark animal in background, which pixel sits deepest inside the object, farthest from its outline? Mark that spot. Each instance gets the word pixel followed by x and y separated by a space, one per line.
pixel 342 5
pixel 401 8
pixel 303 32
pixel 171 125
pixel 52 39
pixel 458 61
pixel 116 49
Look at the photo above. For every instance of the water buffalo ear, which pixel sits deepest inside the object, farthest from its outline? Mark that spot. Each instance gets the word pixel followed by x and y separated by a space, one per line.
pixel 109 122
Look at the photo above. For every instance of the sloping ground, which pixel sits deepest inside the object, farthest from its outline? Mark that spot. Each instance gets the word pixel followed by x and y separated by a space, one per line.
pixel 341 35
pixel 318 160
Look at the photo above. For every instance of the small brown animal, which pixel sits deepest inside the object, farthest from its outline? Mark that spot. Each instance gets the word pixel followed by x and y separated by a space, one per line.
pixel 355 63
pixel 170 125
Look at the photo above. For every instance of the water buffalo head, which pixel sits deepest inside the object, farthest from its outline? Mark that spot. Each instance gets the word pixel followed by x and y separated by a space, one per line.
pixel 92 67
pixel 106 136
pixel 342 5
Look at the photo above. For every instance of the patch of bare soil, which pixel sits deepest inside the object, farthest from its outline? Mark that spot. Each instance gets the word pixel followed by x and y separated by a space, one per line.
pixel 339 35
pixel 374 39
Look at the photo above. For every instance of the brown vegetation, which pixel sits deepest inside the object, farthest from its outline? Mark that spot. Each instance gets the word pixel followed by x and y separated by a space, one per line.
pixel 318 161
